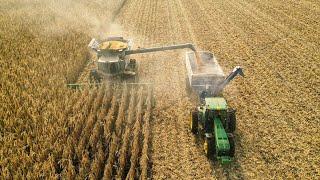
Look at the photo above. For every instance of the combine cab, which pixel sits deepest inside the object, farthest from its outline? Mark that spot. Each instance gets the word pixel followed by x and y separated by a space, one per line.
pixel 212 119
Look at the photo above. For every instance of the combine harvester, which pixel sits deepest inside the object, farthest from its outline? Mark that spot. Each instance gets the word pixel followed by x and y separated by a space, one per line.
pixel 114 59
pixel 213 119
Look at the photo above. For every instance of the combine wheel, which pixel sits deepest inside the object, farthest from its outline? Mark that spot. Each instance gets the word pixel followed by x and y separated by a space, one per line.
pixel 232 145
pixel 194 122
pixel 209 147
pixel 231 121
pixel 94 77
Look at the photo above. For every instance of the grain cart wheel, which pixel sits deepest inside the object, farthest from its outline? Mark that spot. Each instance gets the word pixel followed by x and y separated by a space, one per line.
pixel 194 122
pixel 209 147
pixel 232 145
pixel 188 88
pixel 231 121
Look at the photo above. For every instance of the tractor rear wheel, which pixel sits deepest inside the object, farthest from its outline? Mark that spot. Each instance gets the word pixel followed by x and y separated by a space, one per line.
pixel 232 145
pixel 194 122
pixel 209 147
pixel 231 121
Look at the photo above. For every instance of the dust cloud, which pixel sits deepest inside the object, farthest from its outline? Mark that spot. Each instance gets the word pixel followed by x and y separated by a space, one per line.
pixel 56 17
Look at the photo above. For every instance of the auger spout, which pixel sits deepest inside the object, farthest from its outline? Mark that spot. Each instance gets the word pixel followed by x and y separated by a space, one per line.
pixel 163 48
pixel 236 71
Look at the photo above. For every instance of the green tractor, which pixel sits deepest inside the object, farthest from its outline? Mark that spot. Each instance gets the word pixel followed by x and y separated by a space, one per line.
pixel 216 122
pixel 213 120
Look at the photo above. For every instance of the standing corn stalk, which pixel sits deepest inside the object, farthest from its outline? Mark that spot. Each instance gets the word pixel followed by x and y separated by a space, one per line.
pixel 136 138
pixel 125 139
pixel 144 157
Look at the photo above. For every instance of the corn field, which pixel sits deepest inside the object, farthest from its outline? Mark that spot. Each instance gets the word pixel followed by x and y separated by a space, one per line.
pixel 113 131
pixel 49 131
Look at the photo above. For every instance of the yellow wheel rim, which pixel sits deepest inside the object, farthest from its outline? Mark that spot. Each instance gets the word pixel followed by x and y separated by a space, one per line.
pixel 205 146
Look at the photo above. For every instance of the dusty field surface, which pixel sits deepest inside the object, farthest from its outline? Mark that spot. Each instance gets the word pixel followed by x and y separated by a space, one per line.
pixel 277 43
pixel 110 132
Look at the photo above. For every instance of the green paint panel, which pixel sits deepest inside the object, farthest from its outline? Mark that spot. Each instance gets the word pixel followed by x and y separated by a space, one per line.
pixel 222 142
pixel 74 86
pixel 225 159
pixel 221 136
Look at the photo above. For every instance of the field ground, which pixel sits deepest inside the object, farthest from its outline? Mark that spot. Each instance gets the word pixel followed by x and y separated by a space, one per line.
pixel 278 107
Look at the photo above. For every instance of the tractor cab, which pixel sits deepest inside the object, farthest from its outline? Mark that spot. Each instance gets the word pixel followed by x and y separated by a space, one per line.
pixel 216 104
pixel 213 107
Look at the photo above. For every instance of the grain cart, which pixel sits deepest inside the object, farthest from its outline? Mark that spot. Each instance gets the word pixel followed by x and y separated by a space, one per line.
pixel 212 119
pixel 114 60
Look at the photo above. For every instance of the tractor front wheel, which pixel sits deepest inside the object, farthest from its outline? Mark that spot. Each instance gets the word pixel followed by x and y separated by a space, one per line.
pixel 209 147
pixel 194 122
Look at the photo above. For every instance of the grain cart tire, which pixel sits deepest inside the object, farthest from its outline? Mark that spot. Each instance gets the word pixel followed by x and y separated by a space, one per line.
pixel 232 145
pixel 194 122
pixel 231 121
pixel 188 88
pixel 209 147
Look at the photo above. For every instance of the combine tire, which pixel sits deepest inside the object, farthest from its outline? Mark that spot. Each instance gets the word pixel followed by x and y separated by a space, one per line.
pixel 194 122
pixel 231 121
pixel 232 145
pixel 209 147
pixel 94 77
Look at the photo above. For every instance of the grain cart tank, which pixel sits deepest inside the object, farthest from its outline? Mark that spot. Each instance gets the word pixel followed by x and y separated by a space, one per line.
pixel 213 119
